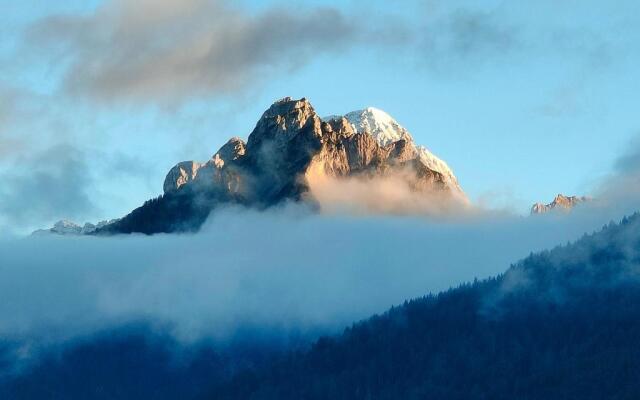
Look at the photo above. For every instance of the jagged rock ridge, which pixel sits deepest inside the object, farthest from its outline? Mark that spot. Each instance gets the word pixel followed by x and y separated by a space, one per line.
pixel 560 202
pixel 289 143
pixel 66 227
pixel 387 130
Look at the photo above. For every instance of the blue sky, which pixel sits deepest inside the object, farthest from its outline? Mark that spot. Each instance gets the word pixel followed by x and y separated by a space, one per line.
pixel 523 100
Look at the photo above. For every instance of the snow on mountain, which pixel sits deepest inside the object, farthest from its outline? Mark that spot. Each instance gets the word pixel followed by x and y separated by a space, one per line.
pixel 386 130
pixel 436 164
pixel 378 124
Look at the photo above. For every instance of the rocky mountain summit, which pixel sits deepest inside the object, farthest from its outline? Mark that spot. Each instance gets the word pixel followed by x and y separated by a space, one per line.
pixel 559 203
pixel 386 131
pixel 289 146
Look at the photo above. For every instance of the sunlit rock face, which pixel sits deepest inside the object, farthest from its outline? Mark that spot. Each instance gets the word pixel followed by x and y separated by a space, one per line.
pixel 560 203
pixel 289 148
pixel 181 174
pixel 290 140
pixel 386 130
pixel 231 151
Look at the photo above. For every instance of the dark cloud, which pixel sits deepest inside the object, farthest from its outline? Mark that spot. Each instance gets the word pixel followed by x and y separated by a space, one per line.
pixel 468 33
pixel 52 184
pixel 6 104
pixel 619 188
pixel 461 36
pixel 171 51
pixel 8 145
pixel 13 102
pixel 628 164
pixel 174 50
pixel 464 37
pixel 42 178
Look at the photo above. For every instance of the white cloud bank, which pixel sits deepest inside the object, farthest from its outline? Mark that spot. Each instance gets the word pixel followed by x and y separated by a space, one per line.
pixel 287 270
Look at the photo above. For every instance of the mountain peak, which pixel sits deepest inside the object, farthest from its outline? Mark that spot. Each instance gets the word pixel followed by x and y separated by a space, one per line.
pixel 230 151
pixel 377 123
pixel 386 130
pixel 180 174
pixel 289 150
pixel 560 202
pixel 286 105
pixel 282 121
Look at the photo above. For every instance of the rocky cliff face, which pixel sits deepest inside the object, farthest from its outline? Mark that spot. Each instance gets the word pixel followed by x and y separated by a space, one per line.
pixel 386 131
pixel 288 145
pixel 559 203
pixel 290 141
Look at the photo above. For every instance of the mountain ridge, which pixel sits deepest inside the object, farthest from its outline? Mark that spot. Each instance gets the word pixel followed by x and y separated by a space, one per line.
pixel 560 203
pixel 289 146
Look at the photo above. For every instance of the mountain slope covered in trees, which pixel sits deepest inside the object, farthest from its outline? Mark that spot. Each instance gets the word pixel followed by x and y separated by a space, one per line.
pixel 562 324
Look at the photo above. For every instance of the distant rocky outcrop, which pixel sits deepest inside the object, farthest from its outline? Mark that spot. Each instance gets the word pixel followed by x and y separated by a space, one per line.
pixel 559 203
pixel 66 227
pixel 289 143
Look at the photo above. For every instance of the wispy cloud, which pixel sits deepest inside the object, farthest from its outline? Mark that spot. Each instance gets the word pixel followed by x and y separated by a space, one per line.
pixel 463 35
pixel 46 185
pixel 459 37
pixel 174 50
pixel 621 187
pixel 14 103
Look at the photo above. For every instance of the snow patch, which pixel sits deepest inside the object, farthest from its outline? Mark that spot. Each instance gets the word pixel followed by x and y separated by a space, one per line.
pixel 386 130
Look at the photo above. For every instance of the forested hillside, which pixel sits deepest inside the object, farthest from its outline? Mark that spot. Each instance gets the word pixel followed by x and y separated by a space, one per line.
pixel 563 324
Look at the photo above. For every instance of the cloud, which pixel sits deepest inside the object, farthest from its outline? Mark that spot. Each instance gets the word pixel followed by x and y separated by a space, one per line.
pixel 283 270
pixel 466 33
pixel 46 185
pixel 170 52
pixel 14 104
pixel 9 145
pixel 391 194
pixel 7 101
pixel 65 154
pixel 461 36
pixel 621 187
pixel 174 50
pixel 43 176
pixel 615 193
pixel 628 164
